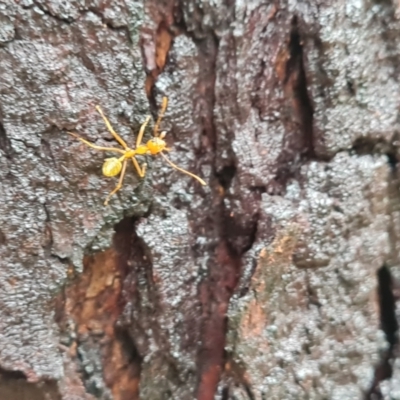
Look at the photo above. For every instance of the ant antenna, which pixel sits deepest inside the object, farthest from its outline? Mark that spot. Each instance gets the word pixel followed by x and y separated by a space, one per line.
pixel 181 169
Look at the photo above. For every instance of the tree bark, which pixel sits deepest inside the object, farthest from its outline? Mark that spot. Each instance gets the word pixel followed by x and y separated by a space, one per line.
pixel 277 280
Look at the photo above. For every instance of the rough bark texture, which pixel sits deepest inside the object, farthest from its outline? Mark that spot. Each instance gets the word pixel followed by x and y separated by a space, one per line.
pixel 276 281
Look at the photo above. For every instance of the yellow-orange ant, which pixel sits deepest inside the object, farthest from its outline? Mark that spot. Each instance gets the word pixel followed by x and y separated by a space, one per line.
pixel 156 145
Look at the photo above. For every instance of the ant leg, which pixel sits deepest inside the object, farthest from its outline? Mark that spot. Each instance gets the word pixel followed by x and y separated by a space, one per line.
pixel 182 170
pixel 141 132
pixel 140 171
pixel 160 115
pixel 110 128
pixel 96 147
pixel 119 185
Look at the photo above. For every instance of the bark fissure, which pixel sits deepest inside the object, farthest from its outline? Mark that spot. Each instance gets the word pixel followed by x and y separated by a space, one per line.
pixel 296 150
pixel 95 301
pixel 295 83
pixel 389 325
pixel 5 143
pixel 365 145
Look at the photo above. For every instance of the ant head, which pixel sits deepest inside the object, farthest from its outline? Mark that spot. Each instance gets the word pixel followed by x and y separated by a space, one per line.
pixel 112 166
pixel 157 144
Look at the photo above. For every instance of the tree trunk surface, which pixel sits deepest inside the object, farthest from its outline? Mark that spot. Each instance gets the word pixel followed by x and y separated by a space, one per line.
pixel 277 280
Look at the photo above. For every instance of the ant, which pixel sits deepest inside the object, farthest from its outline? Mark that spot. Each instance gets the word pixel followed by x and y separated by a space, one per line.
pixel 156 145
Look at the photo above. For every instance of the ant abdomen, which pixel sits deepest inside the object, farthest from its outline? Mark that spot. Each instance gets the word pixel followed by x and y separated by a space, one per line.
pixel 111 167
